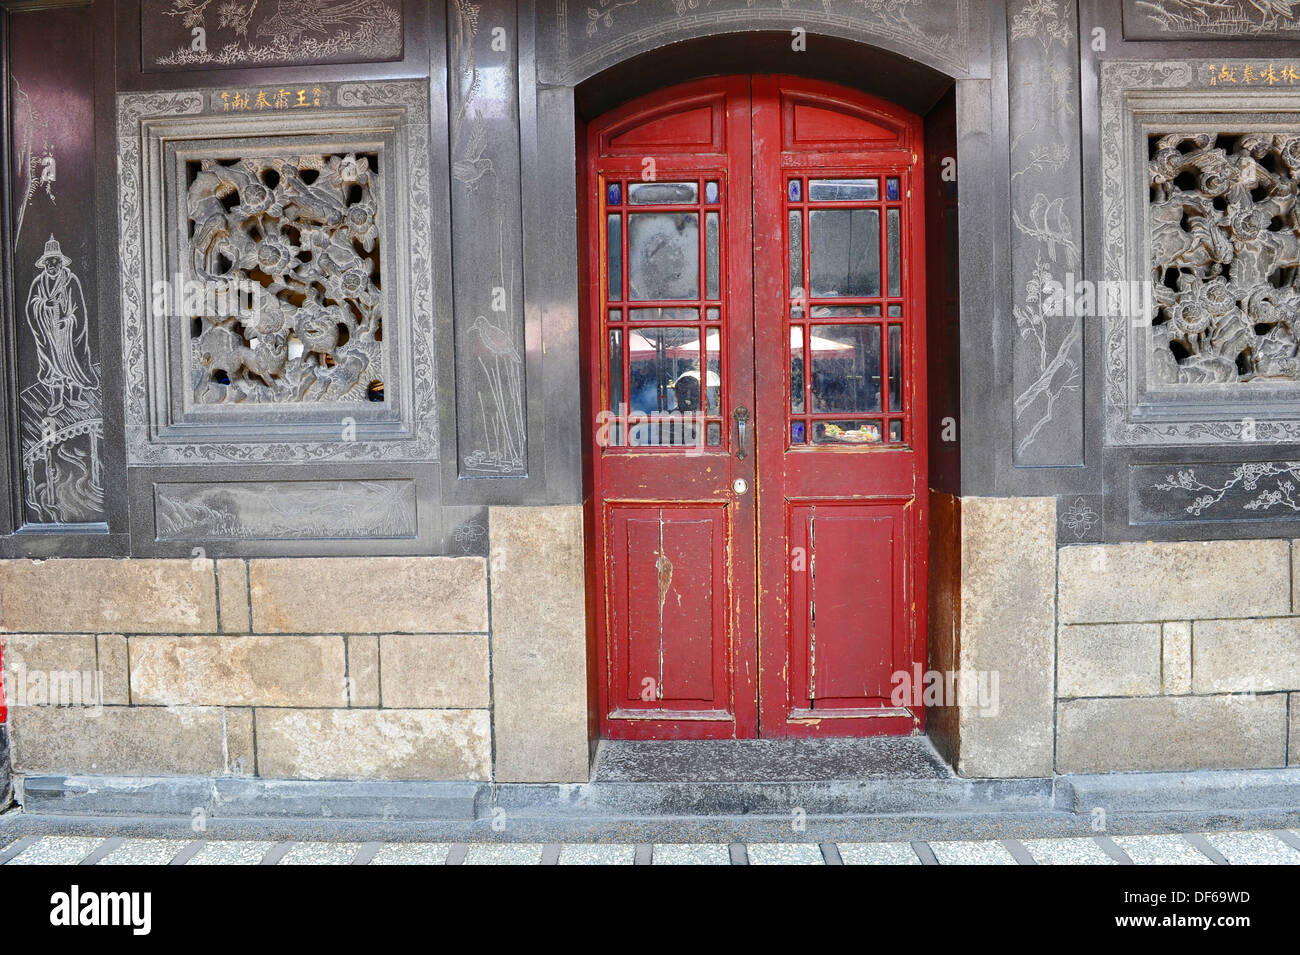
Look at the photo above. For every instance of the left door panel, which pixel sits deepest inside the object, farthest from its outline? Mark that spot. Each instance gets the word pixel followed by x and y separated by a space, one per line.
pixel 670 332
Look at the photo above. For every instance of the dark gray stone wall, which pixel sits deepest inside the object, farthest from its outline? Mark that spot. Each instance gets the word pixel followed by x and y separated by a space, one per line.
pixel 509 86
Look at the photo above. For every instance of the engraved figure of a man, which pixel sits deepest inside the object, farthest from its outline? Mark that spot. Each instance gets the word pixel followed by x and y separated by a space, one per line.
pixel 56 312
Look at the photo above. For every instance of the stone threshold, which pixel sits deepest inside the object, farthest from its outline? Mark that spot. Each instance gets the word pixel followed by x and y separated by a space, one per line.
pixel 1066 803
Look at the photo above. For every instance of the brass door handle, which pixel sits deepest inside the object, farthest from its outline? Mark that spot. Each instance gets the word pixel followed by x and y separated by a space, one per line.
pixel 742 427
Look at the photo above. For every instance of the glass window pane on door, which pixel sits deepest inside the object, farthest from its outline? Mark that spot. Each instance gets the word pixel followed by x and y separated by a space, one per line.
pixel 845 368
pixel 663 256
pixel 845 252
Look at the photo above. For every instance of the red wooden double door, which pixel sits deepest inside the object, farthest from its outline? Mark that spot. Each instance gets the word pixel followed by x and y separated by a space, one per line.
pixel 758 459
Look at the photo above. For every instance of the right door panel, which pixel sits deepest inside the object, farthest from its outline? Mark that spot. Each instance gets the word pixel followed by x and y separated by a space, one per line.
pixel 838 311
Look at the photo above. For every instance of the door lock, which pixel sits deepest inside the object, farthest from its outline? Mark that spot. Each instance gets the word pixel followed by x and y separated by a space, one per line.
pixel 740 485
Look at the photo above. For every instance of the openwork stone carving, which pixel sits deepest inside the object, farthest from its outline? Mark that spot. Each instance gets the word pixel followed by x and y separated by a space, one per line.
pixel 304 230
pixel 322 216
pixel 1225 246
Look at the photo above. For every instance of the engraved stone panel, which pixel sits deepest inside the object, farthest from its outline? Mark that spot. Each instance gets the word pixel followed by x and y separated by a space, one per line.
pixel 54 268
pixel 276 283
pixel 1236 493
pixel 204 34
pixel 491 412
pixel 289 510
pixel 1210 19
pixel 1046 216
pixel 592 34
pixel 1201 177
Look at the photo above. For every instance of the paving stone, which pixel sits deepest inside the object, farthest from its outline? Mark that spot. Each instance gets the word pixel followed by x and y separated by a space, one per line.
pixel 504 854
pixel 320 853
pixel 1067 852
pixel 594 854
pixel 878 853
pixel 412 853
pixel 691 854
pixel 57 850
pixel 231 853
pixel 145 852
pixel 785 853
pixel 1170 849
pixel 972 853
pixel 1253 848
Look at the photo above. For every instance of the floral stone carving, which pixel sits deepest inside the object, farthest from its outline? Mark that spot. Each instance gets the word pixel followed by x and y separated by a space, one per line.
pixel 301 234
pixel 1225 246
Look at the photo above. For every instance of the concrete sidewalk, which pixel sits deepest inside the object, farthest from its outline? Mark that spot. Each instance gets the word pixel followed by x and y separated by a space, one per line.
pixel 1257 847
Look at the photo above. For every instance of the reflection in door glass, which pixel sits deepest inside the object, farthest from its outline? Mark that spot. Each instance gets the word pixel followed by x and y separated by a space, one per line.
pixel 796 369
pixel 845 252
pixel 663 256
pixel 895 253
pixel 615 258
pixel 844 190
pixel 662 193
pixel 895 367
pixel 845 368
pixel 796 254
pixel 846 432
pixel 846 311
pixel 711 242
pixel 614 436
pixel 669 314
pixel 665 386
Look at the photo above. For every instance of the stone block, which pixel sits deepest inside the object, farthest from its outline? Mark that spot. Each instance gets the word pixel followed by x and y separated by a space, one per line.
pixel 238 671
pixel 100 595
pixel 435 671
pixel 1176 647
pixel 363 670
pixel 1244 656
pixel 113 668
pixel 241 755
pixel 1109 660
pixel 1008 630
pixel 374 744
pixel 1198 580
pixel 539 644
pixel 129 740
pixel 232 590
pixel 375 595
pixel 1176 733
pixel 39 664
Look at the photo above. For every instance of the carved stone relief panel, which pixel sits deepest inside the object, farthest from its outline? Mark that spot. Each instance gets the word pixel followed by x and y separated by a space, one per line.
pixel 1201 185
pixel 1255 491
pixel 285 510
pixel 212 34
pixel 54 269
pixel 1046 218
pixel 491 411
pixel 587 35
pixel 277 293
pixel 1210 19
pixel 1225 256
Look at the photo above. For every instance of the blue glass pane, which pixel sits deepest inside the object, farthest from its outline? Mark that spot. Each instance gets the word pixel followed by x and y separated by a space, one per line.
pixel 615 194
pixel 710 192
pixel 892 189
pixel 796 433
pixel 794 190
